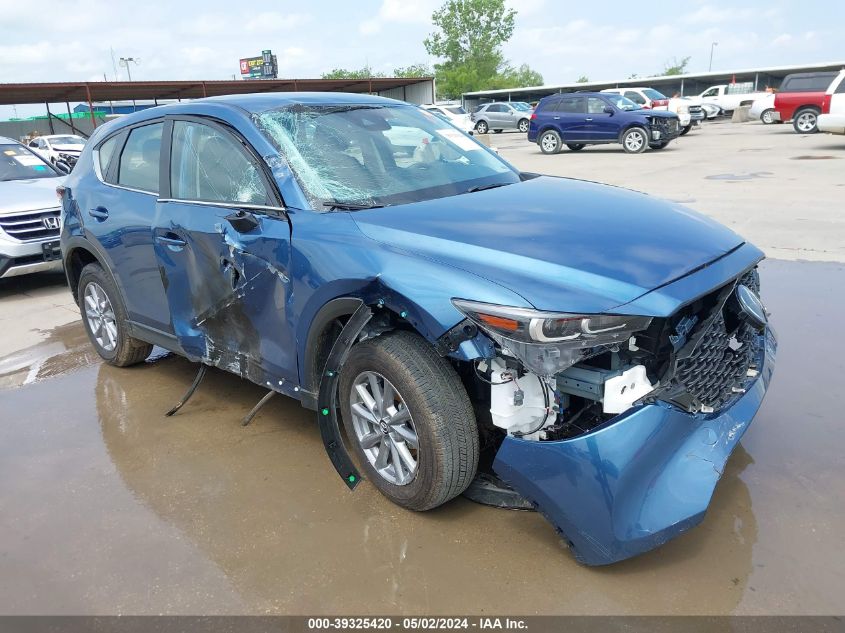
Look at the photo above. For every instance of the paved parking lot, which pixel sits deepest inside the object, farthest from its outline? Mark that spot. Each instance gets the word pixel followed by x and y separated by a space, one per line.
pixel 106 506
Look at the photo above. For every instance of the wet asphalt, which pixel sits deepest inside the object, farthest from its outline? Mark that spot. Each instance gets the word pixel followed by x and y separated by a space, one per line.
pixel 107 507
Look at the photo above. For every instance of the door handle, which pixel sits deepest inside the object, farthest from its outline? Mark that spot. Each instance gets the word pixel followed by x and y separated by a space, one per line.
pixel 589 118
pixel 170 239
pixel 100 213
pixel 557 118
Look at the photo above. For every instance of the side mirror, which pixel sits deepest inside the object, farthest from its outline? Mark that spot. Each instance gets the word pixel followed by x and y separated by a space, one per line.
pixel 62 167
pixel 243 221
pixel 608 110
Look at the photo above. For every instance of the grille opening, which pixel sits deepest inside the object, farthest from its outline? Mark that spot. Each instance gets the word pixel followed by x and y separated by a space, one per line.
pixel 30 226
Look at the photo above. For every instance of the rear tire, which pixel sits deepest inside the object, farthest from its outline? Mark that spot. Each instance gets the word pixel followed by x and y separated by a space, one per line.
pixel 105 320
pixel 523 125
pixel 659 145
pixel 438 417
pixel 549 142
pixel 806 121
pixel 686 129
pixel 576 146
pixel 481 127
pixel 768 116
pixel 635 140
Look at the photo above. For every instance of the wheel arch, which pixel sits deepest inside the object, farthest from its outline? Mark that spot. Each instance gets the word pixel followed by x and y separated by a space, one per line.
pixel 629 126
pixel 78 253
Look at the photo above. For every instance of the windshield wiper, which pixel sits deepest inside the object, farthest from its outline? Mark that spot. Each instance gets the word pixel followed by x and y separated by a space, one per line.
pixel 343 206
pixel 485 187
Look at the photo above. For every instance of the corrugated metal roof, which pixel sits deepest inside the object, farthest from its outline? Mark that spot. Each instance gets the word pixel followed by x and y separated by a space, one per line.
pixel 15 94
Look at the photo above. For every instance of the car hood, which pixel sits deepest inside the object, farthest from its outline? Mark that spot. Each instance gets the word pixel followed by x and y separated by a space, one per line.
pixel 29 195
pixel 561 244
pixel 68 148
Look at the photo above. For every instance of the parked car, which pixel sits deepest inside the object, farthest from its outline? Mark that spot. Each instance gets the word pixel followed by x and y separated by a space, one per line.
pixel 728 97
pixel 803 97
pixel 764 109
pixel 711 110
pixel 500 116
pixel 29 211
pixel 455 113
pixel 58 147
pixel 589 118
pixel 834 121
pixel 599 351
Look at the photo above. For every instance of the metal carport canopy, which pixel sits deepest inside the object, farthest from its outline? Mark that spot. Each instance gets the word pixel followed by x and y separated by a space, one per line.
pixel 17 94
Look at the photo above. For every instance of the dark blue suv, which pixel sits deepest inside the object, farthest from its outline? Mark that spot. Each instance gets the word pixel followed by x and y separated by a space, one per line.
pixel 590 118
pixel 590 351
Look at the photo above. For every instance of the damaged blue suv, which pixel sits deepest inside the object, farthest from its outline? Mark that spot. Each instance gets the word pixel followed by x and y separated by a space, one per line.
pixel 529 341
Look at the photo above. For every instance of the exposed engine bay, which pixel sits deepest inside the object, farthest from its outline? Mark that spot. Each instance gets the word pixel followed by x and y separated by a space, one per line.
pixel 697 360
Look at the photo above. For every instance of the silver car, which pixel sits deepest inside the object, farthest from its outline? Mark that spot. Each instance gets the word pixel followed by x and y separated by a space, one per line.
pixel 29 211
pixel 501 115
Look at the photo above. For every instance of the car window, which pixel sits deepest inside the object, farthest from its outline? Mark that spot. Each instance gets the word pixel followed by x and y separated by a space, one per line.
pixel 595 105
pixel 654 95
pixel 841 88
pixel 19 163
pixel 105 153
pixel 636 97
pixel 807 83
pixel 208 164
pixel 623 103
pixel 495 108
pixel 455 110
pixel 140 159
pixel 709 93
pixel 571 105
pixel 33 143
pixel 547 105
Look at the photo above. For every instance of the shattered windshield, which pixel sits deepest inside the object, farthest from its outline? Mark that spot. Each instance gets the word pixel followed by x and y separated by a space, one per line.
pixel 362 156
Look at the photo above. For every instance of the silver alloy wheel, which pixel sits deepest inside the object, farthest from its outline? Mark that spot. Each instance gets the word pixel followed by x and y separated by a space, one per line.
pixel 806 121
pixel 481 127
pixel 635 140
pixel 523 125
pixel 100 315
pixel 549 142
pixel 384 428
pixel 767 117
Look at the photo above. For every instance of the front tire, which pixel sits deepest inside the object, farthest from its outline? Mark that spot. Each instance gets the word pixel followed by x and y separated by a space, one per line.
pixel 686 129
pixel 660 145
pixel 481 127
pixel 410 420
pixel 806 121
pixel 635 140
pixel 768 116
pixel 105 320
pixel 549 142
pixel 523 125
pixel 575 146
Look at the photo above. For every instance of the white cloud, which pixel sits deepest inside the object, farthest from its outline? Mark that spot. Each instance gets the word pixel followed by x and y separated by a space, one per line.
pixel 274 21
pixel 399 12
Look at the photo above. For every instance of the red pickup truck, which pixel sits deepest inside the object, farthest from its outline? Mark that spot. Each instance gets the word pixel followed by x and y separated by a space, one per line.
pixel 802 98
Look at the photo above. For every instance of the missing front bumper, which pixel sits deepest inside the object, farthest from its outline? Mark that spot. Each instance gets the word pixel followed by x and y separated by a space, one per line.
pixel 637 482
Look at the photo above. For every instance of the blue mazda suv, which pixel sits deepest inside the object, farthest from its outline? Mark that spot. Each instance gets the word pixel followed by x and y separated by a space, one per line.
pixel 590 118
pixel 528 341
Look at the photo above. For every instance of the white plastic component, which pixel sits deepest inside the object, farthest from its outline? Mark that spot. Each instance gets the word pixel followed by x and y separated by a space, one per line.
pixel 623 390
pixel 526 418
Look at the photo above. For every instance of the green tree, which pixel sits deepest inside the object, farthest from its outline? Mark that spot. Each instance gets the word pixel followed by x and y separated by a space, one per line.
pixel 520 77
pixel 582 79
pixel 676 67
pixel 342 73
pixel 415 70
pixel 468 38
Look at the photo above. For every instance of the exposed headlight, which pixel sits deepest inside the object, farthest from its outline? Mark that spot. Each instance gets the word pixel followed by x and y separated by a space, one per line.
pixel 549 342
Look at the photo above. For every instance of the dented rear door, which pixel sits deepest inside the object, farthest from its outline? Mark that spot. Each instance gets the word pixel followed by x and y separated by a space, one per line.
pixel 223 249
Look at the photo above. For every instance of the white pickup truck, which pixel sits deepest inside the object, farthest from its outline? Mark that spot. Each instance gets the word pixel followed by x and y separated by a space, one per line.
pixel 834 121
pixel 730 96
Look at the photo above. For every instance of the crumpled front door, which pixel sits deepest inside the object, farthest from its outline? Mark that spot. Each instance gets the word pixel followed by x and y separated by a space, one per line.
pixel 228 289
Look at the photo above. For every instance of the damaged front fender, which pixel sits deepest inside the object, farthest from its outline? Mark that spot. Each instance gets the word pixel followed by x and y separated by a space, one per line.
pixel 637 482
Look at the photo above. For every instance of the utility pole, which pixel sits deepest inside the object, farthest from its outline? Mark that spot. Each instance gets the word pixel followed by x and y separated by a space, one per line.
pixel 712 46
pixel 125 61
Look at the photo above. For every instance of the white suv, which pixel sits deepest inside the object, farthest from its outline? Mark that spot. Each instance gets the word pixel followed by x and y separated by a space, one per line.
pixel 58 147
pixel 29 211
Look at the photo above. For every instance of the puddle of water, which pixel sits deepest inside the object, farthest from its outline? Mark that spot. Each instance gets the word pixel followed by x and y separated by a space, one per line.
pixel 747 176
pixel 108 506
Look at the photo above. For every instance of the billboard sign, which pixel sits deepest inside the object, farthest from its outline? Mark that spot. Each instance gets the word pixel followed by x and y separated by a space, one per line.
pixel 261 67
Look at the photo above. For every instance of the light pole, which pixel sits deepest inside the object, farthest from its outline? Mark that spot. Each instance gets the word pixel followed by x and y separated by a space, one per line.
pixel 712 46
pixel 125 61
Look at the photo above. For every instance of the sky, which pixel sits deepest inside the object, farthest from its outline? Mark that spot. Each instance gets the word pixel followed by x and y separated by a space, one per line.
pixel 73 40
